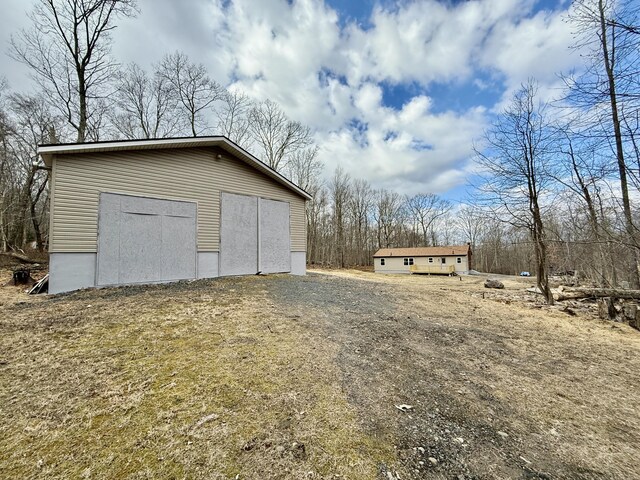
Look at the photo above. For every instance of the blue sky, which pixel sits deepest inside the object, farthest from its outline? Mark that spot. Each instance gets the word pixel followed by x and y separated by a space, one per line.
pixel 396 92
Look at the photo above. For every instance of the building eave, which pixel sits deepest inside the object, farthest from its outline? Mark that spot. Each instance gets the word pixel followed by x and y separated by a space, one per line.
pixel 47 152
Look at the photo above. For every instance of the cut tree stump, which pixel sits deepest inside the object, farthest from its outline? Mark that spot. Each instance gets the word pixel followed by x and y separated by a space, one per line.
pixel 630 312
pixel 606 308
pixel 21 276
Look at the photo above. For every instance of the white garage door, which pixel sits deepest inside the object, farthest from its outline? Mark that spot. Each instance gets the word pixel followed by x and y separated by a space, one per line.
pixel 254 235
pixel 275 240
pixel 143 240
pixel 238 235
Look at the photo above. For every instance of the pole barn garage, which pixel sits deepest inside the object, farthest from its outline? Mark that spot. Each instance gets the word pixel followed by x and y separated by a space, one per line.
pixel 151 211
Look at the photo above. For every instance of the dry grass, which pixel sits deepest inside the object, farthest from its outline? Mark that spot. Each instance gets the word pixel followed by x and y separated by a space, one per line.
pixel 215 380
pixel 158 383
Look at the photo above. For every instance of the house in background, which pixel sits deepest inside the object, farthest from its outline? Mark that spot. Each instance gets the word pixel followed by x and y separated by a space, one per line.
pixel 429 260
pixel 150 211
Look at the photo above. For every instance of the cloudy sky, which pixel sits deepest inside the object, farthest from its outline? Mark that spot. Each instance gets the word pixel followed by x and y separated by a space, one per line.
pixel 395 91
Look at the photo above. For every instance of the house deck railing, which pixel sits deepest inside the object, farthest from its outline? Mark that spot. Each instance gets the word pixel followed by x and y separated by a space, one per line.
pixel 433 269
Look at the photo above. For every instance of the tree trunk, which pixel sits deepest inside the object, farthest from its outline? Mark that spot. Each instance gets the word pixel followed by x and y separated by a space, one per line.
pixel 34 216
pixel 17 256
pixel 622 167
pixel 606 309
pixel 82 94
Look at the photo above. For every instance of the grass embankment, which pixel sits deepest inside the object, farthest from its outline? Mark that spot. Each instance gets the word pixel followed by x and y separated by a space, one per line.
pixel 165 382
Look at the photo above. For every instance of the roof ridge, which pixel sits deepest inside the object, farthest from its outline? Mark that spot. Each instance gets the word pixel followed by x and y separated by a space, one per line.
pixel 443 250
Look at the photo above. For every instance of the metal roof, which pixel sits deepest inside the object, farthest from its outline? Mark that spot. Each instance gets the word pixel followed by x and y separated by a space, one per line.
pixel 48 151
pixel 424 251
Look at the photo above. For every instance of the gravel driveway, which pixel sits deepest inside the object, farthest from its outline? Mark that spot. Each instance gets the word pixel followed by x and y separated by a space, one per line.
pixel 495 389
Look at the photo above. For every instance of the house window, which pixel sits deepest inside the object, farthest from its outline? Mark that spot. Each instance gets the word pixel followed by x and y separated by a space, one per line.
pixel 408 261
pixel 444 260
pixel 459 260
pixel 382 261
pixel 430 259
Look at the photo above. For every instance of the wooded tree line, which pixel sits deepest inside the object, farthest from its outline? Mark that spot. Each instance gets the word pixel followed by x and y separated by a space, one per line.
pixel 556 191
pixel 568 172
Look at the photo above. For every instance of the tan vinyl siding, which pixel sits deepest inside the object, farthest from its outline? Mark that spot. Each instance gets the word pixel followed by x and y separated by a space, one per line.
pixel 181 174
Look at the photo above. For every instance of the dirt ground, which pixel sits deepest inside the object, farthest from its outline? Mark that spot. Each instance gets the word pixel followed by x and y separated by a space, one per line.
pixel 342 374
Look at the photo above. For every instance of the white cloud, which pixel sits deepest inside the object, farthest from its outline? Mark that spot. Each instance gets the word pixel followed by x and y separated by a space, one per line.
pixel 536 47
pixel 333 76
pixel 164 26
pixel 283 50
pixel 423 41
pixel 409 150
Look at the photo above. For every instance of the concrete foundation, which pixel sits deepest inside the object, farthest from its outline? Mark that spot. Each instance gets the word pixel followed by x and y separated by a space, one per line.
pixel 71 271
pixel 207 264
pixel 298 263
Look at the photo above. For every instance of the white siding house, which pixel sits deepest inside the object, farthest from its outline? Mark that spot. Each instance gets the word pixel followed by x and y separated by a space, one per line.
pixel 447 260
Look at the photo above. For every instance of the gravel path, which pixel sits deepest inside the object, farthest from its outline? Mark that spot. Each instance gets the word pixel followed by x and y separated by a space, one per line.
pixel 453 358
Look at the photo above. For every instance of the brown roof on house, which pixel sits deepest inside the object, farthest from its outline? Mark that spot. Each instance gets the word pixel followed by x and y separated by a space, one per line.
pixel 423 251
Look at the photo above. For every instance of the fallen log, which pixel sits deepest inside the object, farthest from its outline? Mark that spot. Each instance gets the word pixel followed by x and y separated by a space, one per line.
pixel 19 257
pixel 566 293
pixel 558 295
pixel 574 293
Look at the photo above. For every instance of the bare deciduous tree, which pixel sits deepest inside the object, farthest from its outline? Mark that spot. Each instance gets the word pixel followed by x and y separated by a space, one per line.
pixel 304 168
pixel 191 85
pixel 276 135
pixel 425 210
pixel 146 107
pixel 360 208
pixel 233 117
pixel 68 51
pixel 388 213
pixel 609 89
pixel 472 223
pixel 340 188
pixel 516 163
pixel 32 124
